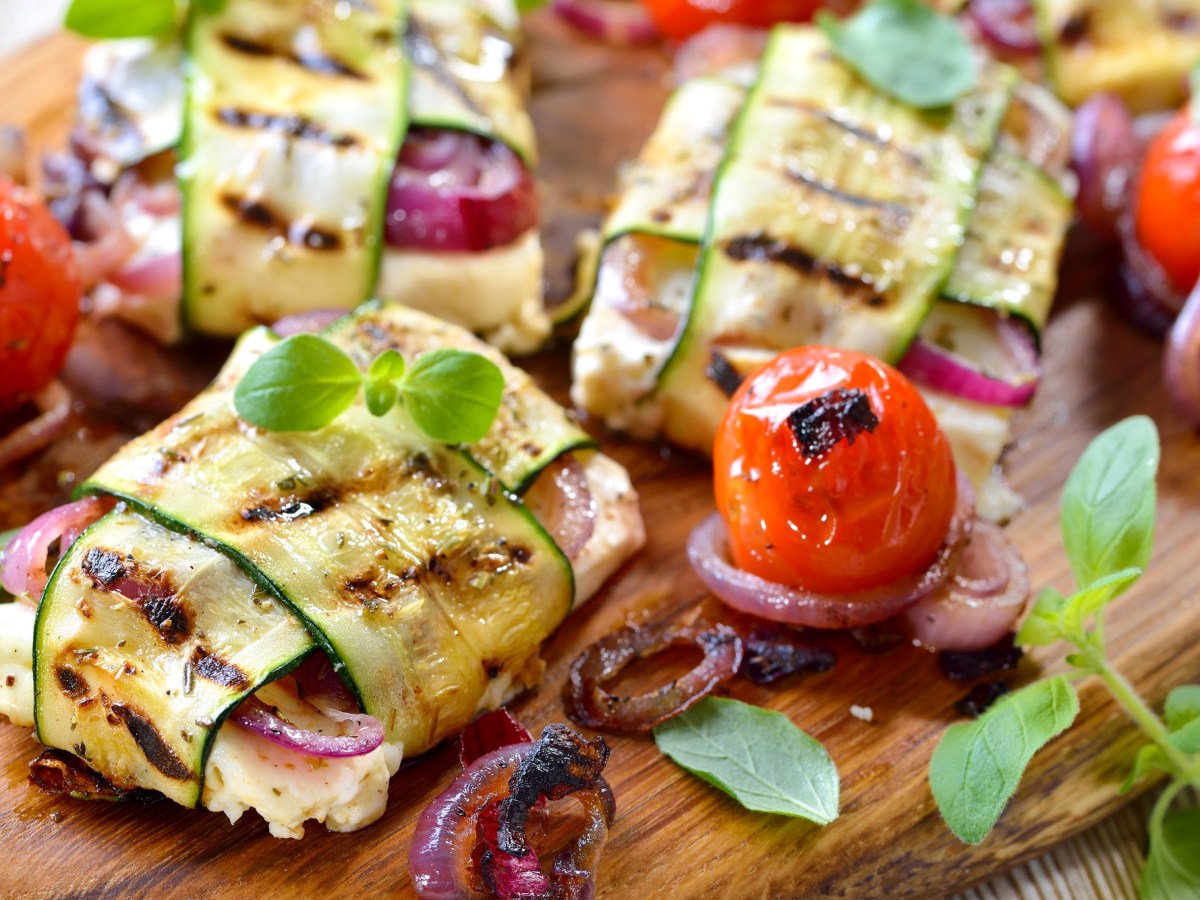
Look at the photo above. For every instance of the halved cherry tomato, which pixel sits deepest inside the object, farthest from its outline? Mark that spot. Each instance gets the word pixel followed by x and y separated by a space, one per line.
pixel 832 474
pixel 40 287
pixel 1168 201
pixel 678 19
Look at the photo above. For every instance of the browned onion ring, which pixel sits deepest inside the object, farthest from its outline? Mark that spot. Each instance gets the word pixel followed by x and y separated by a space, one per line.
pixel 708 552
pixel 54 402
pixel 589 704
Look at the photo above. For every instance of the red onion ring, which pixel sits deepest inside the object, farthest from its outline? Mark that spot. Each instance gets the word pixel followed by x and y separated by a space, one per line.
pixel 487 805
pixel 479 197
pixel 162 198
pixel 622 284
pixel 717 49
pixel 935 367
pixel 26 555
pixel 1145 294
pixel 589 704
pixel 562 501
pixel 111 244
pixel 489 732
pixel 1181 363
pixel 615 23
pixel 307 322
pixel 256 716
pixel 54 403
pixel 1006 24
pixel 981 603
pixel 1104 154
pixel 708 552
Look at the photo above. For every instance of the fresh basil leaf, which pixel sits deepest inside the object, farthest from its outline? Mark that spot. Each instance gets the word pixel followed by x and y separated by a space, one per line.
pixel 1088 601
pixel 756 756
pixel 1043 624
pixel 1109 499
pixel 388 366
pixel 1149 758
pixel 1173 863
pixel 301 384
pixel 121 18
pixel 526 6
pixel 381 397
pixel 977 765
pixel 905 50
pixel 1181 709
pixel 453 395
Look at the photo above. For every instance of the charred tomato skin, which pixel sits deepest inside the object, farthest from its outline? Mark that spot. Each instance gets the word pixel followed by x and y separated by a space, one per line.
pixel 678 19
pixel 40 287
pixel 1167 210
pixel 859 502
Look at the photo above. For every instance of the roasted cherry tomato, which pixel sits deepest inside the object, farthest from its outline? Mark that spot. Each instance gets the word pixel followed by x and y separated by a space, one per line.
pixel 1168 201
pixel 40 286
pixel 832 474
pixel 678 19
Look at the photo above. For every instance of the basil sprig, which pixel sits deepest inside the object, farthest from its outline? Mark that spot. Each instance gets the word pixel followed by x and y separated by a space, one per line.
pixel 305 382
pixel 906 50
pixel 1107 515
pixel 756 756
pixel 128 18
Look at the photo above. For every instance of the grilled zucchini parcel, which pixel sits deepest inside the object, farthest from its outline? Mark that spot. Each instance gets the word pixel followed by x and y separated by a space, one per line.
pixel 235 554
pixel 807 207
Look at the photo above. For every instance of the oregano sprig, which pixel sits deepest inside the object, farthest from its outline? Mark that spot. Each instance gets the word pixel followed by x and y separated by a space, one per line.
pixel 1107 515
pixel 305 382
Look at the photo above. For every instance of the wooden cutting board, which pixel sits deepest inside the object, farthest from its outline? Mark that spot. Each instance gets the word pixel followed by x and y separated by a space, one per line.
pixel 594 105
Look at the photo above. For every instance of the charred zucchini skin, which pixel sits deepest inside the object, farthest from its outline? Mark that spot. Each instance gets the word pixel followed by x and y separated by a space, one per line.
pixel 409 563
pixel 137 682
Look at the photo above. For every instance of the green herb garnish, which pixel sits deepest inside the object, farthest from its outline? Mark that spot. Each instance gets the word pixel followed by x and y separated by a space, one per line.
pixel 128 18
pixel 756 756
pixel 905 50
pixel 1107 518
pixel 305 382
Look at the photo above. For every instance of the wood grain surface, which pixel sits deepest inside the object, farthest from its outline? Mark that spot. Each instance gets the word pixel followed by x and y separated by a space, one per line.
pixel 594 106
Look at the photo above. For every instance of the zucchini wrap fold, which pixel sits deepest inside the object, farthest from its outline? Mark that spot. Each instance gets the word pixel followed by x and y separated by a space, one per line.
pixel 234 554
pixel 288 135
pixel 806 207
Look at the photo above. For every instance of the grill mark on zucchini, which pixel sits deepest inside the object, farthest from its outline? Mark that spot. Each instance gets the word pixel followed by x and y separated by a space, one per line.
pixel 212 668
pixel 425 54
pixel 256 213
pixel 761 247
pixel 721 372
pixel 290 509
pixel 71 682
pixel 312 61
pixel 1075 30
pixel 901 212
pixel 295 126
pixel 832 117
pixel 152 592
pixel 156 750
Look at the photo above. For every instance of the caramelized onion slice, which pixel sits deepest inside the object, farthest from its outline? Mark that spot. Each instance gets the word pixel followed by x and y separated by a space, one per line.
pixel 708 552
pixel 588 703
pixel 983 600
pixel 489 732
pixel 54 408
pixel 366 732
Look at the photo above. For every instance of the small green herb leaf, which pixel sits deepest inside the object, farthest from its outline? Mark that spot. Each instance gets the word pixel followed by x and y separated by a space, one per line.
pixel 1181 709
pixel 977 765
pixel 381 397
pixel 301 384
pixel 906 50
pixel 1088 601
pixel 1043 625
pixel 1173 863
pixel 121 18
pixel 453 395
pixel 756 756
pixel 1148 759
pixel 388 366
pixel 1109 499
